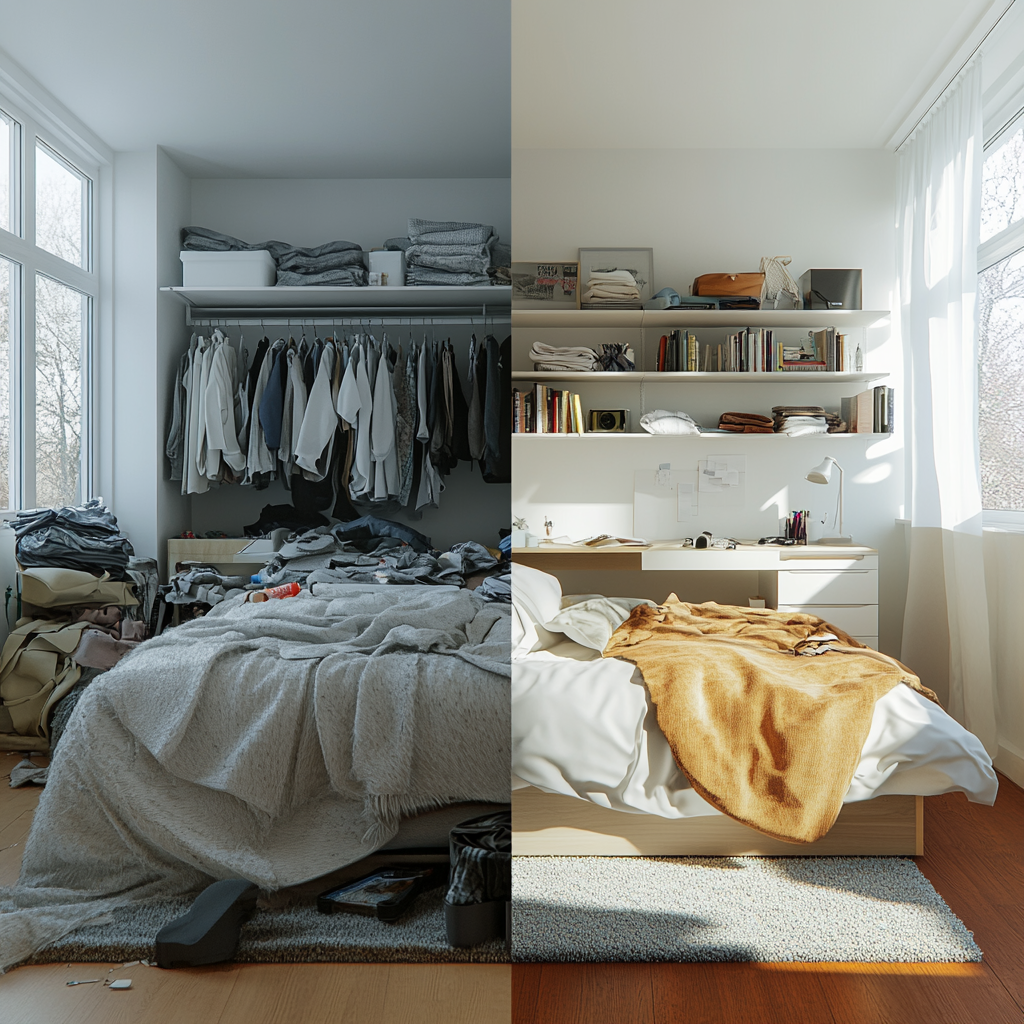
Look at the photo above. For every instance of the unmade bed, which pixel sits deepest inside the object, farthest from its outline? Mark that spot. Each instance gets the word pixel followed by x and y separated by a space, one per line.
pixel 277 742
pixel 593 773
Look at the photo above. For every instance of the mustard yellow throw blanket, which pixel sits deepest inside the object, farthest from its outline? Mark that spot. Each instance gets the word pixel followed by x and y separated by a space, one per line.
pixel 766 712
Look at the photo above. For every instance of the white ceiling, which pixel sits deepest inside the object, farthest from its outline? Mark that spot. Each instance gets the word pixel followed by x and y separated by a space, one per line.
pixel 693 74
pixel 281 88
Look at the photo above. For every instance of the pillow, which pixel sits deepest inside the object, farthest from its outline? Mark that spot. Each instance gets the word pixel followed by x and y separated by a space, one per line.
pixel 536 597
pixel 591 623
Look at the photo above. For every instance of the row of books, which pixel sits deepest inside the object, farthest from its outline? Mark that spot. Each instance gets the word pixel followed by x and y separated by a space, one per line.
pixel 754 350
pixel 870 412
pixel 545 410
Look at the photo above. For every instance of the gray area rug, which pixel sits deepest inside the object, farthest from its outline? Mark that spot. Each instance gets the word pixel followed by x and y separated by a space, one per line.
pixel 294 934
pixel 766 909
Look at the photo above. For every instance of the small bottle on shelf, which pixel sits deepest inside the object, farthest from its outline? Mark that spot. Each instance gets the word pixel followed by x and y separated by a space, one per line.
pixel 858 359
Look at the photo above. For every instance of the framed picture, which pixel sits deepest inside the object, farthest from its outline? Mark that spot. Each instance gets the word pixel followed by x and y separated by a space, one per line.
pixel 545 284
pixel 639 262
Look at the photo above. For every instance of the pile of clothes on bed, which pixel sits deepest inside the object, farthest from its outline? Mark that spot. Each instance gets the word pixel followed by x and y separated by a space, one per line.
pixel 367 550
pixel 84 603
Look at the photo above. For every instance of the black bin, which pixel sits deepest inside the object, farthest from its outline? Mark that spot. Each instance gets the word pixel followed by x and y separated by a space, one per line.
pixel 477 905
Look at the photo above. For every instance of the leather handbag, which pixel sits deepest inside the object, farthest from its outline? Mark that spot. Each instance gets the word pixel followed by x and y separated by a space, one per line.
pixel 729 284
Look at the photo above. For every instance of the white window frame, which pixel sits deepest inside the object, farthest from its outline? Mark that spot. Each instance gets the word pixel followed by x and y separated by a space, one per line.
pixel 1000 247
pixel 20 247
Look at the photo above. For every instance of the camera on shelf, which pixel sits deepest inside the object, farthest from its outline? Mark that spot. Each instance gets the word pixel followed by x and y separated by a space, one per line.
pixel 609 421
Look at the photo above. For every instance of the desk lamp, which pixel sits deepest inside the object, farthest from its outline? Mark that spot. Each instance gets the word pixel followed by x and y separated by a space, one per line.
pixel 821 474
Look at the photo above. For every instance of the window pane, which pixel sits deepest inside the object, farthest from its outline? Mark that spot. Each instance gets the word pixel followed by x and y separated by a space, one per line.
pixel 1002 186
pixel 1001 383
pixel 6 152
pixel 61 330
pixel 61 200
pixel 8 338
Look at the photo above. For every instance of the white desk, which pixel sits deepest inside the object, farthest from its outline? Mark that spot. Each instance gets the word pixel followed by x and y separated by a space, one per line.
pixel 836 583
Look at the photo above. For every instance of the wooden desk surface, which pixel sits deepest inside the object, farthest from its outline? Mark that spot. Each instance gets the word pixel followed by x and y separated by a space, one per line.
pixel 552 557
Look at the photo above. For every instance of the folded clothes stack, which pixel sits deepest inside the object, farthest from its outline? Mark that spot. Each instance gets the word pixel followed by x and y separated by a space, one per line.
pixel 611 289
pixel 745 423
pixel 800 420
pixel 576 360
pixel 452 253
pixel 86 537
pixel 334 263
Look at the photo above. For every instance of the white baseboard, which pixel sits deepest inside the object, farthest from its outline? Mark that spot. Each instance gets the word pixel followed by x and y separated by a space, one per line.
pixel 1010 763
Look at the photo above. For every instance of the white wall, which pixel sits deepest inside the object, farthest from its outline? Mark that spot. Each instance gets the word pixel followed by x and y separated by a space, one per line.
pixel 313 211
pixel 705 211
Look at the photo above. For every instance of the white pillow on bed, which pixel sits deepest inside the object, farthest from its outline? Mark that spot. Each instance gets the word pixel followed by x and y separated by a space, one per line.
pixel 592 622
pixel 536 598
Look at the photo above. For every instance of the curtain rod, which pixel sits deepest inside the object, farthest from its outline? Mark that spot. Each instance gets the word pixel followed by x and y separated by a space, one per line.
pixel 969 58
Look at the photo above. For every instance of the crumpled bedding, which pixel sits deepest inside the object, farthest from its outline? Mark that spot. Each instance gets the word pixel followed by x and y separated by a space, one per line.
pixel 275 741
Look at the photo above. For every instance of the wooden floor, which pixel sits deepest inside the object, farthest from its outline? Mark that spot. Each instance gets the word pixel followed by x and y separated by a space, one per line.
pixel 238 993
pixel 974 856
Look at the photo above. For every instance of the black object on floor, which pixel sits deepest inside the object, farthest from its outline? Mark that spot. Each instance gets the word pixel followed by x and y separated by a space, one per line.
pixel 476 906
pixel 208 933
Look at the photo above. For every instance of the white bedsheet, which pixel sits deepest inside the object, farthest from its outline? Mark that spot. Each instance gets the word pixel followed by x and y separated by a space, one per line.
pixel 582 725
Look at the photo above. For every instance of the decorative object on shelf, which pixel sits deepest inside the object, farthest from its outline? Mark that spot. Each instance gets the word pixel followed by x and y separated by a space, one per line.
pixel 617 359
pixel 609 421
pixel 821 474
pixel 662 421
pixel 779 291
pixel 549 285
pixel 390 264
pixel 831 289
pixel 637 262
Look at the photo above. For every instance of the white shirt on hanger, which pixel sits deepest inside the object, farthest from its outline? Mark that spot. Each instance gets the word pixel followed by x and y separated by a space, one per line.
pixel 382 431
pixel 315 444
pixel 221 432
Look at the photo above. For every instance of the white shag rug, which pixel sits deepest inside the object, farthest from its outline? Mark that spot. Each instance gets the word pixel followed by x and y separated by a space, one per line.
pixel 714 909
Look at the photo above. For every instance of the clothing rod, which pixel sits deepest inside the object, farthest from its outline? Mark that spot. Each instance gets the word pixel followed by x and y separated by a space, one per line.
pixel 348 321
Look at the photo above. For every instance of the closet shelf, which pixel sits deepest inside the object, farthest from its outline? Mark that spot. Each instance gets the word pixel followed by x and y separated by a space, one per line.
pixel 591 434
pixel 672 318
pixel 320 301
pixel 701 377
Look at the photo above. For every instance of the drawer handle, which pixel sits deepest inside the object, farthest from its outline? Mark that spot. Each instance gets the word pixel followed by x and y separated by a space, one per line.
pixel 820 558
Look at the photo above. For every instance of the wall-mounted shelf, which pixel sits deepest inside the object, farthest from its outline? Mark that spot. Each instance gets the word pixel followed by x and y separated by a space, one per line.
pixel 700 377
pixel 723 318
pixel 325 302
pixel 603 435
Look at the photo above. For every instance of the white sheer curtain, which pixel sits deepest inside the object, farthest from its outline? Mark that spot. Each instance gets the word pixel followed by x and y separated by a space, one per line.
pixel 946 630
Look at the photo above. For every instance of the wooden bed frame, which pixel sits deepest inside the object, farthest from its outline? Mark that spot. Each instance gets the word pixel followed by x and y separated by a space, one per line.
pixel 547 824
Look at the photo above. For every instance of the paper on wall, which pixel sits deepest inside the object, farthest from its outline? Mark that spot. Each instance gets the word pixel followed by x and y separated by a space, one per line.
pixel 724 477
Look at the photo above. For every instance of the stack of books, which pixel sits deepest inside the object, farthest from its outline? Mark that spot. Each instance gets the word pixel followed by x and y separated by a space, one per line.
pixel 546 410
pixel 827 351
pixel 870 412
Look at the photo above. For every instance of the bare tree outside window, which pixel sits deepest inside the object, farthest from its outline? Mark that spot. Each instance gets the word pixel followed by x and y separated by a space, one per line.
pixel 61 324
pixel 1001 334
pixel 60 201
pixel 8 271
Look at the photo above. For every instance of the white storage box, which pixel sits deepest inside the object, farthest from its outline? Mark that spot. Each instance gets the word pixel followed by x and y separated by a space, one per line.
pixel 254 268
pixel 390 262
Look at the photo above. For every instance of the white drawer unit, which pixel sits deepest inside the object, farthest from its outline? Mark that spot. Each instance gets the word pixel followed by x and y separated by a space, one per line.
pixel 859 620
pixel 827 586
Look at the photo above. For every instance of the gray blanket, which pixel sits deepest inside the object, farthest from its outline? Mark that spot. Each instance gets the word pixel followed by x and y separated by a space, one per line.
pixel 275 741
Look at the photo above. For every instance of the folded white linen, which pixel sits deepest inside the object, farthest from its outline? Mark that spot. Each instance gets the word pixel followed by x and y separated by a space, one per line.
pixel 612 277
pixel 663 421
pixel 568 358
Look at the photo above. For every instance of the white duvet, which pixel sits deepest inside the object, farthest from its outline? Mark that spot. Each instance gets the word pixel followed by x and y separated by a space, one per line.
pixel 583 726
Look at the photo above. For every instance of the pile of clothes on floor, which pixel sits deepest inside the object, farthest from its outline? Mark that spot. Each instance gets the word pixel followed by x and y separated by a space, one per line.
pixel 453 253
pixel 333 263
pixel 801 420
pixel 85 602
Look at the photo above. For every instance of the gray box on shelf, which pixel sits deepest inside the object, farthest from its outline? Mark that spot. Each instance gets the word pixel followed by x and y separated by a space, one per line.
pixel 832 289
